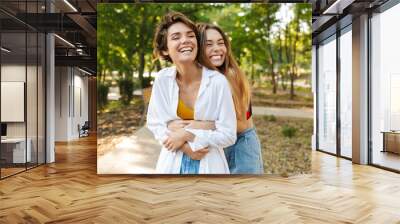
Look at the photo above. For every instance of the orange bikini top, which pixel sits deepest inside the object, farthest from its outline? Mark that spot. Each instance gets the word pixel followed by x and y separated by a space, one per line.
pixel 184 112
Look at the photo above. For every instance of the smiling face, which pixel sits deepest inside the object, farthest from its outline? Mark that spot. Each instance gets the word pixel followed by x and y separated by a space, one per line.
pixel 181 44
pixel 215 47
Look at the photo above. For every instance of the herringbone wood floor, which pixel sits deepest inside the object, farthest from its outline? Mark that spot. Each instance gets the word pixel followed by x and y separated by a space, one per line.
pixel 70 191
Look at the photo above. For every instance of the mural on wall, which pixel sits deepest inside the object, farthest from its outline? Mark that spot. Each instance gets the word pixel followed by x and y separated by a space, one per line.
pixel 177 83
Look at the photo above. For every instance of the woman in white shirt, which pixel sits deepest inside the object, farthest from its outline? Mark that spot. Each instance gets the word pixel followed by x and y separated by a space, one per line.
pixel 189 90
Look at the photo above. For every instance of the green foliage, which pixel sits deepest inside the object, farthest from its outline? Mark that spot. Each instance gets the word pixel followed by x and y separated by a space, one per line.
pixel 147 82
pixel 102 92
pixel 113 105
pixel 270 118
pixel 126 87
pixel 266 47
pixel 288 131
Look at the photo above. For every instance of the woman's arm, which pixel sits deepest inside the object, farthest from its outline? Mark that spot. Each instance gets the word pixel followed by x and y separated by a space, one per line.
pixel 204 125
pixel 176 125
pixel 178 136
pixel 179 124
pixel 198 155
pixel 157 112
pixel 224 134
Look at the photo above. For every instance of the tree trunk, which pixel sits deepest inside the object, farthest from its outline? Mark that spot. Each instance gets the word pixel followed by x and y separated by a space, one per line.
pixel 141 67
pixel 294 52
pixel 151 69
pixel 283 78
pixel 274 84
pixel 142 49
pixel 158 65
pixel 103 76
pixel 272 65
pixel 291 86
pixel 273 78
pixel 293 73
pixel 252 70
pixel 288 43
pixel 280 58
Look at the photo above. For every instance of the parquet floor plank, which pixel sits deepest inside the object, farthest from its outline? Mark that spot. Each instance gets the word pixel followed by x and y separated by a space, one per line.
pixel 70 191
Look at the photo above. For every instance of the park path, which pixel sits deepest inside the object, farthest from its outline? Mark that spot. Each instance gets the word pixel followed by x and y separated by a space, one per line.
pixel 138 153
pixel 135 154
pixel 284 112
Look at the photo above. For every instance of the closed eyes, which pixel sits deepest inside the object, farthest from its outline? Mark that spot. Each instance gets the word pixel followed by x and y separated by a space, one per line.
pixel 177 36
pixel 210 43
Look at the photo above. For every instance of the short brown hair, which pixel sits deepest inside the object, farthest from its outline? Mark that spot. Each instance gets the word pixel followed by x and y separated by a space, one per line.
pixel 160 37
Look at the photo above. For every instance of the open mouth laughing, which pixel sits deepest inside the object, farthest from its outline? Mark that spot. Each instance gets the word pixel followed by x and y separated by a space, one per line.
pixel 186 50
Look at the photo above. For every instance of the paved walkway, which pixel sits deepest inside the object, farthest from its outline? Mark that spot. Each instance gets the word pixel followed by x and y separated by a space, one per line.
pixel 284 112
pixel 136 154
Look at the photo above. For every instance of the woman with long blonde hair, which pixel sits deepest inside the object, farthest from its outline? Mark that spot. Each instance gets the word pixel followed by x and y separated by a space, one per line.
pixel 244 157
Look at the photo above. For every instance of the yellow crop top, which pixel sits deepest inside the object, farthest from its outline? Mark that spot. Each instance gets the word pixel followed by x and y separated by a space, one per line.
pixel 184 112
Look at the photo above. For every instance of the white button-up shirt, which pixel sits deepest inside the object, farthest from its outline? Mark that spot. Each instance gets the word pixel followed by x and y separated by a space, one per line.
pixel 214 103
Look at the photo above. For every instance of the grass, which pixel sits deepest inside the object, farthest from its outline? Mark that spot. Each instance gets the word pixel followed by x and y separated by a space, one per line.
pixel 288 131
pixel 117 119
pixel 285 155
pixel 264 97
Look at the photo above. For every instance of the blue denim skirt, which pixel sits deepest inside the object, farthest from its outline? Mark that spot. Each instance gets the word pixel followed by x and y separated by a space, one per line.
pixel 244 157
pixel 189 166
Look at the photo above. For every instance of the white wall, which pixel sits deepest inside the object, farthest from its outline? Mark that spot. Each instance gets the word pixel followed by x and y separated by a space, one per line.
pixel 12 73
pixel 12 101
pixel 71 94
pixel 61 103
pixel 33 126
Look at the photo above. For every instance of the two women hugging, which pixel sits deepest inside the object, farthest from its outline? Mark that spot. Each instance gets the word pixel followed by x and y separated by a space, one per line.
pixel 200 108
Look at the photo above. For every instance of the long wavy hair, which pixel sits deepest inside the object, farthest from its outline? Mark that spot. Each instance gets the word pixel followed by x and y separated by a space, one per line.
pixel 239 84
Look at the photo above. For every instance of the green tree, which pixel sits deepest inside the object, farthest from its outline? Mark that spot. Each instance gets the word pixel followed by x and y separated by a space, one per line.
pixel 125 34
pixel 300 41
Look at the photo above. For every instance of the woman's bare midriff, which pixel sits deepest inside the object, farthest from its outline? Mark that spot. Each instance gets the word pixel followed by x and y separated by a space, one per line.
pixel 244 124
